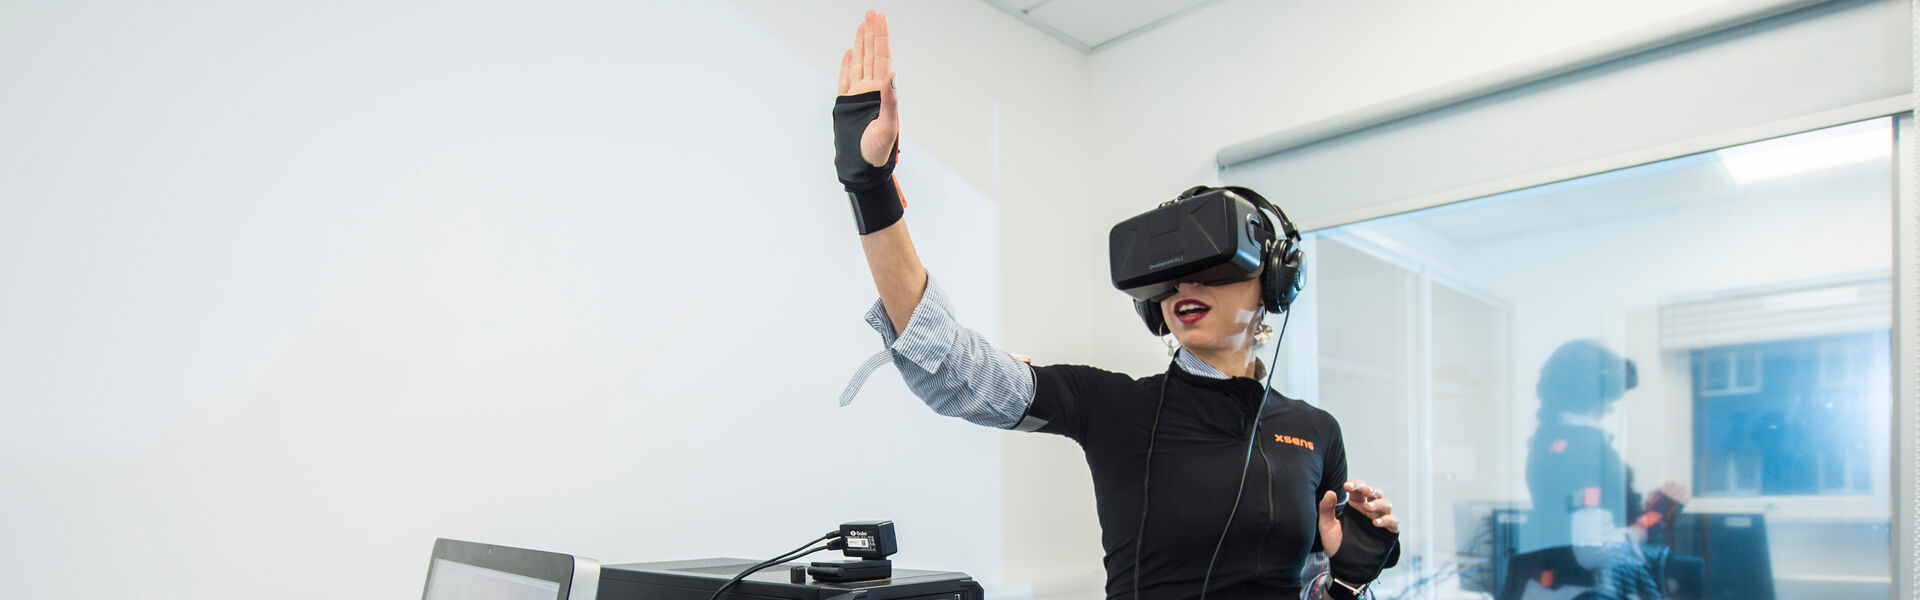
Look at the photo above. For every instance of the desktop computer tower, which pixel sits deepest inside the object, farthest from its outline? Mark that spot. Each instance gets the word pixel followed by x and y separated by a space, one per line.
pixel 696 580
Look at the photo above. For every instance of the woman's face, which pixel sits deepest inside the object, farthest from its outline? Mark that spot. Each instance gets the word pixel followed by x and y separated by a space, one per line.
pixel 1214 317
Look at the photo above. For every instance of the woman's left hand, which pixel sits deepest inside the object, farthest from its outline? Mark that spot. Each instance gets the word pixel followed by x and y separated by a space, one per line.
pixel 1369 500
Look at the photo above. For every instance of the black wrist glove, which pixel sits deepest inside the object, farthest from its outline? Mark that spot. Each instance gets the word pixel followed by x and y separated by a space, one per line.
pixel 1365 550
pixel 1335 592
pixel 876 199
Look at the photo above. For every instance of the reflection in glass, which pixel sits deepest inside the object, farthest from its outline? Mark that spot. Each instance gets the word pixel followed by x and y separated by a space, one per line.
pixel 1669 381
pixel 1797 421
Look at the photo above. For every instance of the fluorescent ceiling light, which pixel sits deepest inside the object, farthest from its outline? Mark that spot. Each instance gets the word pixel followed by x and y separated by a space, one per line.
pixel 1808 152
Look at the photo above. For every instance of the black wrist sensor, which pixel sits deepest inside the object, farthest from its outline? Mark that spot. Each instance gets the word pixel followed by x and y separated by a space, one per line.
pixel 876 199
pixel 1365 550
pixel 1335 591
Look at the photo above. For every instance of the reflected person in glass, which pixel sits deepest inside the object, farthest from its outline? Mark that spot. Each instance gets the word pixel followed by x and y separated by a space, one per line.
pixel 1584 503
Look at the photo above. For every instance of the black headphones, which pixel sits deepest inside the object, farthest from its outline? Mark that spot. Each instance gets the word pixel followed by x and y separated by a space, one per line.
pixel 1282 266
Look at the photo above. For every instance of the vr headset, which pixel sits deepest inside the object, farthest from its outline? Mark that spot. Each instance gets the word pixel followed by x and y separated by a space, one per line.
pixel 1206 235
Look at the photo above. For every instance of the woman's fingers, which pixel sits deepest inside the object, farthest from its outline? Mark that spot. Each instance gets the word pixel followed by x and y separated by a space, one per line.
pixel 1360 491
pixel 869 31
pixel 882 54
pixel 1373 503
pixel 1373 509
pixel 1370 501
pixel 1389 523
pixel 869 65
pixel 1377 508
pixel 860 54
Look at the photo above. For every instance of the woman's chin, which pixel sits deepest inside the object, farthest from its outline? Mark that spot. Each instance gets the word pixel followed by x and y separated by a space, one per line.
pixel 1197 340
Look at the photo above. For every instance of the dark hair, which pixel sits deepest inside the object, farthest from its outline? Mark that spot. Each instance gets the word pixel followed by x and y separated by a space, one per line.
pixel 1583 376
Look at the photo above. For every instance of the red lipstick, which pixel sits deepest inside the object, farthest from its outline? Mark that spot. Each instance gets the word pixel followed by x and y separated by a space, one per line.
pixel 1188 311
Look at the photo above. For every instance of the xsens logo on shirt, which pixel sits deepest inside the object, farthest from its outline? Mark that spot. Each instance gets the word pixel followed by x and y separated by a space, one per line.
pixel 1287 439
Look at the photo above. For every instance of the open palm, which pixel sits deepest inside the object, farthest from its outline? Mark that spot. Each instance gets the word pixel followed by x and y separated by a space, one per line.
pixel 865 68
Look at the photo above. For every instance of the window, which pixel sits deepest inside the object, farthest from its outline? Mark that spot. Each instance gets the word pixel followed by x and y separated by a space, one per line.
pixel 1717 321
pixel 1733 371
pixel 1798 426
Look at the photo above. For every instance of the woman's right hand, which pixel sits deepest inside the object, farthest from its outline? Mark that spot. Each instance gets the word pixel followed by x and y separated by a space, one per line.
pixel 866 68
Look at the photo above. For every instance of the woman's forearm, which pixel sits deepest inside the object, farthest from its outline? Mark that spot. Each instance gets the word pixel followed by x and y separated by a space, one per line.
pixel 897 272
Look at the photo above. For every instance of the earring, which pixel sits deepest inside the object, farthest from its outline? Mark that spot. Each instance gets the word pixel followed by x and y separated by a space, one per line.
pixel 1264 333
pixel 1173 344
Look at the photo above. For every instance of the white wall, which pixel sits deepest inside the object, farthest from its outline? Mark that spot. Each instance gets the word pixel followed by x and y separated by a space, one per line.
pixel 294 289
pixel 1241 69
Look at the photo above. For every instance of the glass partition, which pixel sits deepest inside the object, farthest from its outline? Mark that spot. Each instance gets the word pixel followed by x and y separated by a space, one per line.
pixel 1666 381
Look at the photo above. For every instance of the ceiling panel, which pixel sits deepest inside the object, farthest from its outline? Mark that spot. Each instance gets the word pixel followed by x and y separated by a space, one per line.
pixel 1092 24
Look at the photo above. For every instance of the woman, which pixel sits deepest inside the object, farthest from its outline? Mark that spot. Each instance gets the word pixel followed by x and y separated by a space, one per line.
pixel 1185 507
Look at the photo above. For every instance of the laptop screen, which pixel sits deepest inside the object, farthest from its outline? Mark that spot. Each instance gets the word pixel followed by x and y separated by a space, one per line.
pixel 474 571
pixel 457 581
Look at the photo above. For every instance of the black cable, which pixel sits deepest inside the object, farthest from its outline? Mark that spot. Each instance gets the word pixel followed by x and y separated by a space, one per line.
pixel 1140 537
pixel 1267 390
pixel 768 563
pixel 1259 562
pixel 803 550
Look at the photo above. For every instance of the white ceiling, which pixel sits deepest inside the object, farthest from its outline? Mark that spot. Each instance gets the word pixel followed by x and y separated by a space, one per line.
pixel 1652 190
pixel 1093 24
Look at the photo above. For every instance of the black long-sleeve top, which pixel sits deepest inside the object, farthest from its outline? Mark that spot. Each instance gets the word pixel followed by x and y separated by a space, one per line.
pixel 1198 452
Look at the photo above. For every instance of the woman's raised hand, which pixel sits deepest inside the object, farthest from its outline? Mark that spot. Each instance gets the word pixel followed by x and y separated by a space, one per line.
pixel 868 67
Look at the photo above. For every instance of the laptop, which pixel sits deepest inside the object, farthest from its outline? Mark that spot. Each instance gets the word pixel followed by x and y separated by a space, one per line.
pixel 474 571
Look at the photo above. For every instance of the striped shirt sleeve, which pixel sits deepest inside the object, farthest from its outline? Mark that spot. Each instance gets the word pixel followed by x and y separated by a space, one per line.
pixel 955 370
